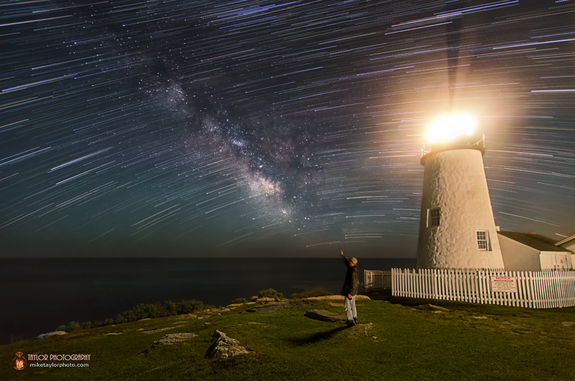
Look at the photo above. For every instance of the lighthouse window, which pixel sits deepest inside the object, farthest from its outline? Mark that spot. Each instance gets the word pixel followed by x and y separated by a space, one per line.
pixel 434 216
pixel 482 240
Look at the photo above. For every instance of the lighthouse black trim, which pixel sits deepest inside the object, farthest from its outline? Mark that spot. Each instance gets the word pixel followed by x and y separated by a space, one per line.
pixel 465 142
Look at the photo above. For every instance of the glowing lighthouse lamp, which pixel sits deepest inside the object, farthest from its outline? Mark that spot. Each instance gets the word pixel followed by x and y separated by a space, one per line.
pixel 457 228
pixel 451 127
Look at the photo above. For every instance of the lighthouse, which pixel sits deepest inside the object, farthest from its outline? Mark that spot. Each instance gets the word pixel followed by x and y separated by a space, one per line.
pixel 457 227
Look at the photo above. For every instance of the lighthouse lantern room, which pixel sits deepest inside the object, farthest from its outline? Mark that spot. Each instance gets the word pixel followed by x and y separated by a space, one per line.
pixel 457 227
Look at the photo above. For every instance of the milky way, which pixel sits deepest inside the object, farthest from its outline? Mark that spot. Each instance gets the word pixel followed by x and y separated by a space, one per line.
pixel 172 128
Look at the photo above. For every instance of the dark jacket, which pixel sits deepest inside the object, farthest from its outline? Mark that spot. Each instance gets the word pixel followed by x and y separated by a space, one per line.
pixel 351 284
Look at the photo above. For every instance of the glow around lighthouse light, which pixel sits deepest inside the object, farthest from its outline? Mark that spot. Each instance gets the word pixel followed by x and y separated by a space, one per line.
pixel 451 127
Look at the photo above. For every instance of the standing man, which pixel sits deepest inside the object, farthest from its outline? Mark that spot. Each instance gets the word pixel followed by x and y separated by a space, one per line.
pixel 350 288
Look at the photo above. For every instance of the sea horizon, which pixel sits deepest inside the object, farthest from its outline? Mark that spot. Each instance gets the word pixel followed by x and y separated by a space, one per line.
pixel 38 295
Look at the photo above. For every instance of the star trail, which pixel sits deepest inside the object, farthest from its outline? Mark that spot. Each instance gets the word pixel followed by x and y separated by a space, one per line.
pixel 255 128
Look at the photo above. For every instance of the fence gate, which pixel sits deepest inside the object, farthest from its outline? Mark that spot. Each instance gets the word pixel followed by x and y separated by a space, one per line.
pixel 377 280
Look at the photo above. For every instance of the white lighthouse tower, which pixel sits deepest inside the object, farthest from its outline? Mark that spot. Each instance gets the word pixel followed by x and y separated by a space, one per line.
pixel 457 227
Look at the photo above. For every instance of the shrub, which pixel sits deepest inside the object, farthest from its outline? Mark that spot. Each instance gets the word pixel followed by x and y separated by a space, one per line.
pixel 120 319
pixel 128 316
pixel 86 325
pixel 142 311
pixel 189 306
pixel 270 293
pixel 151 311
pixel 167 308
pixel 240 301
pixel 72 326
pixel 310 294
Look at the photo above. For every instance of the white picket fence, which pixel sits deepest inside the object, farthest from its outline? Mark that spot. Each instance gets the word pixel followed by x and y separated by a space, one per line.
pixel 512 288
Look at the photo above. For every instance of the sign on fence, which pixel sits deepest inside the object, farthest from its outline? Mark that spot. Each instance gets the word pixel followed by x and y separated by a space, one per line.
pixel 504 284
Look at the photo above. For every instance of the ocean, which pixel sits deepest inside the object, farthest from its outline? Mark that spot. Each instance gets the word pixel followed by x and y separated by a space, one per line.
pixel 38 295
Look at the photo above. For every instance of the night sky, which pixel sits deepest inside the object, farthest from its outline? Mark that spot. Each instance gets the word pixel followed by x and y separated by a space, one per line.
pixel 289 128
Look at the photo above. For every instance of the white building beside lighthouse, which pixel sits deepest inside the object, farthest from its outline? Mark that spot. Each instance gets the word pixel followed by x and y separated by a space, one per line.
pixel 457 227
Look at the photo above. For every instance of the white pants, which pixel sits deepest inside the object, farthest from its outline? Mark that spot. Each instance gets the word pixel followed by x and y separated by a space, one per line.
pixel 350 310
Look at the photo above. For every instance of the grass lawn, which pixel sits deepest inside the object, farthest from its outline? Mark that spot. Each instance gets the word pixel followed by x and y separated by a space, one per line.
pixel 408 340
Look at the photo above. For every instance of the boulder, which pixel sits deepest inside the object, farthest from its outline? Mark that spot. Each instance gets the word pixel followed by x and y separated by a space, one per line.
pixel 157 330
pixel 433 308
pixel 324 315
pixel 365 328
pixel 186 316
pixel 224 347
pixel 268 308
pixel 338 297
pixel 271 307
pixel 174 339
pixel 55 333
pixel 284 305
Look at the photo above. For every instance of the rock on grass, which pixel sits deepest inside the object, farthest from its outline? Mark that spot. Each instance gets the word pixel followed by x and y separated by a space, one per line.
pixel 174 339
pixel 224 347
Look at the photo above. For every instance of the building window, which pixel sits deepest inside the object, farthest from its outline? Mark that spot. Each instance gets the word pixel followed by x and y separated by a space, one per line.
pixel 482 240
pixel 433 217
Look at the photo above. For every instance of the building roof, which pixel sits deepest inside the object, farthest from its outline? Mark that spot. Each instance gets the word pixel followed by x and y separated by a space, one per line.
pixel 535 241
pixel 565 240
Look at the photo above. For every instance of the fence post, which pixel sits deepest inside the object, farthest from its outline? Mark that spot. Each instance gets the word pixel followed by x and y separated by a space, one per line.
pixel 425 282
pixel 393 283
pixel 537 289
pixel 520 298
pixel 481 276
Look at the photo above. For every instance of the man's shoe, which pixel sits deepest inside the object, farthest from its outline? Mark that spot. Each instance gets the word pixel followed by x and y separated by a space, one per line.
pixel 354 321
pixel 350 323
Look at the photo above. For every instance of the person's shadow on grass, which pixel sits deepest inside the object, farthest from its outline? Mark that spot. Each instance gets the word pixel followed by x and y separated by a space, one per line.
pixel 316 337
